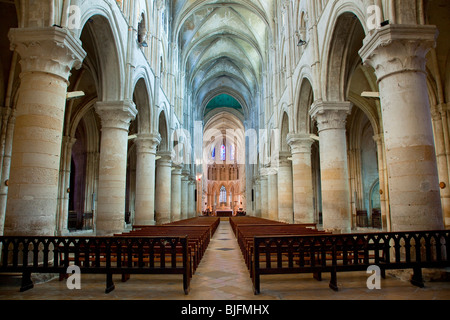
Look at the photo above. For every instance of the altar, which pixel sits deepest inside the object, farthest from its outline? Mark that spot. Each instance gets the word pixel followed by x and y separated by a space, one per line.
pixel 224 213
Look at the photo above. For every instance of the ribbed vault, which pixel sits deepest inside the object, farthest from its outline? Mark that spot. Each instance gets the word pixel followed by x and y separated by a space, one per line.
pixel 223 48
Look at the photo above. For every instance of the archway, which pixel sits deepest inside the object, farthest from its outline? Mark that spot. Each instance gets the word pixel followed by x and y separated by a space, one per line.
pixel 224 155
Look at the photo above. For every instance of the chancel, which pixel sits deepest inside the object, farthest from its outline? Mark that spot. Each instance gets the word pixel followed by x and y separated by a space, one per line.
pixel 192 147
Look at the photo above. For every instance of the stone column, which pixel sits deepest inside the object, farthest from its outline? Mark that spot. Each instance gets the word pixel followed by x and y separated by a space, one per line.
pixel 257 196
pixel 145 178
pixel 272 193
pixel 440 125
pixel 384 194
pixel 63 210
pixel 115 120
pixel 191 198
pixel 175 204
pixel 264 181
pixel 302 177
pixel 163 188
pixel 331 120
pixel 184 194
pixel 284 176
pixel 9 123
pixel 47 57
pixel 398 55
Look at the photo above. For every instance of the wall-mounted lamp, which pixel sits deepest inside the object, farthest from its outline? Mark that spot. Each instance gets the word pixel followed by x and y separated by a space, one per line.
pixel 143 44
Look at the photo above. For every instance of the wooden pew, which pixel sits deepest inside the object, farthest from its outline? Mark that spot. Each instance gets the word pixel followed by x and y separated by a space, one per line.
pixel 246 234
pixel 97 255
pixel 212 222
pixel 237 221
pixel 199 231
pixel 198 237
pixel 350 252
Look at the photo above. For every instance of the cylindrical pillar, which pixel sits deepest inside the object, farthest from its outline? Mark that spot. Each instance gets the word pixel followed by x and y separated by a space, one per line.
pixel 115 120
pixel 163 188
pixel 176 193
pixel 184 194
pixel 385 215
pixel 191 197
pixel 410 153
pixel 47 57
pixel 303 198
pixel 257 196
pixel 11 119
pixel 438 115
pixel 284 181
pixel 145 178
pixel 331 120
pixel 272 193
pixel 264 194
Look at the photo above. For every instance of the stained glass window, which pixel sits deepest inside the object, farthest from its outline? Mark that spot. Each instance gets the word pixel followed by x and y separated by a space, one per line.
pixel 232 153
pixel 223 194
pixel 223 153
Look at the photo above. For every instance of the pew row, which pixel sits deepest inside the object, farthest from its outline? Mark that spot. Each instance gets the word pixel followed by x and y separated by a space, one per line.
pixel 245 235
pixel 199 231
pixel 333 253
pixel 96 255
pixel 198 237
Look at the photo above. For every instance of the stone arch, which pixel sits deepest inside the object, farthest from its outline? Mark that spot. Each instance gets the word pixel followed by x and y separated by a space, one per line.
pixel 142 100
pixel 341 52
pixel 284 131
pixel 305 98
pixel 104 54
pixel 163 129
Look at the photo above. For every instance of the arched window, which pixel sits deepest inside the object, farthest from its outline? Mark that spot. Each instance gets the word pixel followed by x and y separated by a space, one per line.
pixel 232 153
pixel 223 153
pixel 223 194
pixel 213 153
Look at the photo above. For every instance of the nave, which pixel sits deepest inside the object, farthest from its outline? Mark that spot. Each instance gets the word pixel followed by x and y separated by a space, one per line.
pixel 223 275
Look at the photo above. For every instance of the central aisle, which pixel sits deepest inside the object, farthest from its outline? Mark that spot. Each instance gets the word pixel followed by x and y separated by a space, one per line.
pixel 222 273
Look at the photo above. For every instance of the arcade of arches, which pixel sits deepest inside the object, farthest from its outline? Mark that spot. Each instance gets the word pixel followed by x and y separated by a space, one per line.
pixel 117 113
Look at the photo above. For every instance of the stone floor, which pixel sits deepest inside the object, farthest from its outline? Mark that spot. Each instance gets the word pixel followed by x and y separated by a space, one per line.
pixel 222 275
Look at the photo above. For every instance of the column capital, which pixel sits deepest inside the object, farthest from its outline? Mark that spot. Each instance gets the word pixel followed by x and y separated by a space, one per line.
pixel 51 50
pixel 165 158
pixel 186 173
pixel 177 168
pixel 378 138
pixel 299 143
pixel 116 114
pixel 262 173
pixel 330 115
pixel 147 143
pixel 284 159
pixel 398 48
pixel 69 141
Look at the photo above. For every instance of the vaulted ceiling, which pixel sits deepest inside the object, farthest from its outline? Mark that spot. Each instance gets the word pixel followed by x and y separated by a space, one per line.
pixel 223 47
